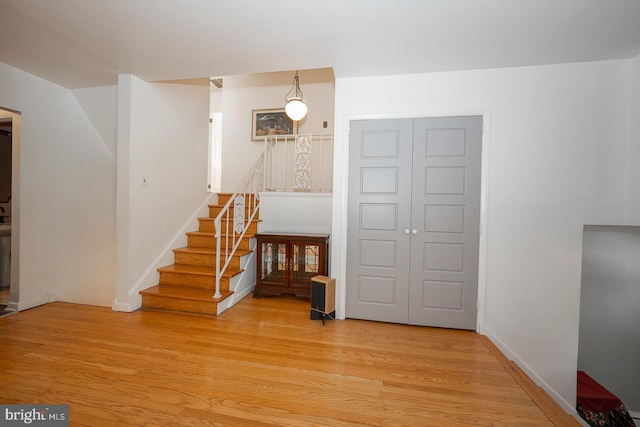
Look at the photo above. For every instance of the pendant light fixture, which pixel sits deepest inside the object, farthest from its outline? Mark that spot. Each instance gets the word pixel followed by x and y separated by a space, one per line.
pixel 295 107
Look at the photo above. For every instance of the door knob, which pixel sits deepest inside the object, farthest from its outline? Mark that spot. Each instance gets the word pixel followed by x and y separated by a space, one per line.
pixel 414 231
pixel 407 231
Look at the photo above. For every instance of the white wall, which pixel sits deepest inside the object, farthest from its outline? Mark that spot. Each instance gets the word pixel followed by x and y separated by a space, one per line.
pixel 66 196
pixel 553 160
pixel 100 104
pixel 215 99
pixel 632 212
pixel 163 133
pixel 242 94
pixel 295 212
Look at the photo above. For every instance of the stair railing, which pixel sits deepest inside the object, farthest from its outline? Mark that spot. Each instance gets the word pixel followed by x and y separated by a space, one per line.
pixel 298 163
pixel 232 228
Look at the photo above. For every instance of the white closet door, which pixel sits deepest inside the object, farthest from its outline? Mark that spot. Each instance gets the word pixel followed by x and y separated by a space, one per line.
pixel 379 214
pixel 445 220
pixel 413 221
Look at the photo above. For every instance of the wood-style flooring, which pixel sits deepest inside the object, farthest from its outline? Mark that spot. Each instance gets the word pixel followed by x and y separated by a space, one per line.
pixel 5 294
pixel 261 363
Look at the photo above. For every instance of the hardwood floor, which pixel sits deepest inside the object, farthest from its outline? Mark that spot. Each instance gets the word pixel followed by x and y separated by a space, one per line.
pixel 261 363
pixel 5 294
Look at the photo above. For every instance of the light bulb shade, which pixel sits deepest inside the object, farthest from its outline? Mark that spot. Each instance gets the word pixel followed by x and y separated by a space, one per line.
pixel 296 109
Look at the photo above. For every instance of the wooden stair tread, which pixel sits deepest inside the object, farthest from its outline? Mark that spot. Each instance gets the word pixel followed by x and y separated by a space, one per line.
pixel 226 195
pixel 223 236
pixel 185 293
pixel 231 206
pixel 213 235
pixel 188 284
pixel 198 270
pixel 209 251
pixel 208 218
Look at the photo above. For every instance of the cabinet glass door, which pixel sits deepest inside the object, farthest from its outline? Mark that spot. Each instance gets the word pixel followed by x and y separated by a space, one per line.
pixel 274 262
pixel 306 263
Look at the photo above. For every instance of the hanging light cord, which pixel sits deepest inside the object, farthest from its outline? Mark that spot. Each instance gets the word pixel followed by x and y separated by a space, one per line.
pixel 295 88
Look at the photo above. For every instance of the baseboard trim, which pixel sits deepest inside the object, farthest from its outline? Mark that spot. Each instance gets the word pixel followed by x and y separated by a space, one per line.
pixel 126 307
pixel 506 356
pixel 26 305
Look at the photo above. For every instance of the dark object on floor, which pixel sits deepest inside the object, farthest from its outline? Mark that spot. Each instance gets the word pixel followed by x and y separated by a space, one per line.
pixel 598 406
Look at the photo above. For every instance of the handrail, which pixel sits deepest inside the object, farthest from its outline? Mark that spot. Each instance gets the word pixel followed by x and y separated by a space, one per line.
pixel 248 190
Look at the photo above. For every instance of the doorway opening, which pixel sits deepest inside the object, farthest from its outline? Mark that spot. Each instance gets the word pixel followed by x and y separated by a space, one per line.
pixel 5 211
pixel 10 122
pixel 214 183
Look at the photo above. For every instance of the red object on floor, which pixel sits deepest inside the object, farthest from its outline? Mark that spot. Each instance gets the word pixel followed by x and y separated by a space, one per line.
pixel 593 396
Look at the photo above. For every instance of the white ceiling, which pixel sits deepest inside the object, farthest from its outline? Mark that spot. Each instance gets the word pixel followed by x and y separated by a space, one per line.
pixel 82 43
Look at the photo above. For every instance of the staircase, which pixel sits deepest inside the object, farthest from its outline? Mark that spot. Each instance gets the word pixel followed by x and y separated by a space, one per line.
pixel 189 285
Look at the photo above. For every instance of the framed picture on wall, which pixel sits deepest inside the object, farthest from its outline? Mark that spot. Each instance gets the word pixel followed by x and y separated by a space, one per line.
pixel 271 121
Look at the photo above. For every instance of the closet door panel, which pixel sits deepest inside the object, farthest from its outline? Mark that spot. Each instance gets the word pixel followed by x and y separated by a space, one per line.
pixel 446 220
pixel 379 213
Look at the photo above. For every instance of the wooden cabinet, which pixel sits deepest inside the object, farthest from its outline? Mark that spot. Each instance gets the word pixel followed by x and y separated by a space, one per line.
pixel 287 262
